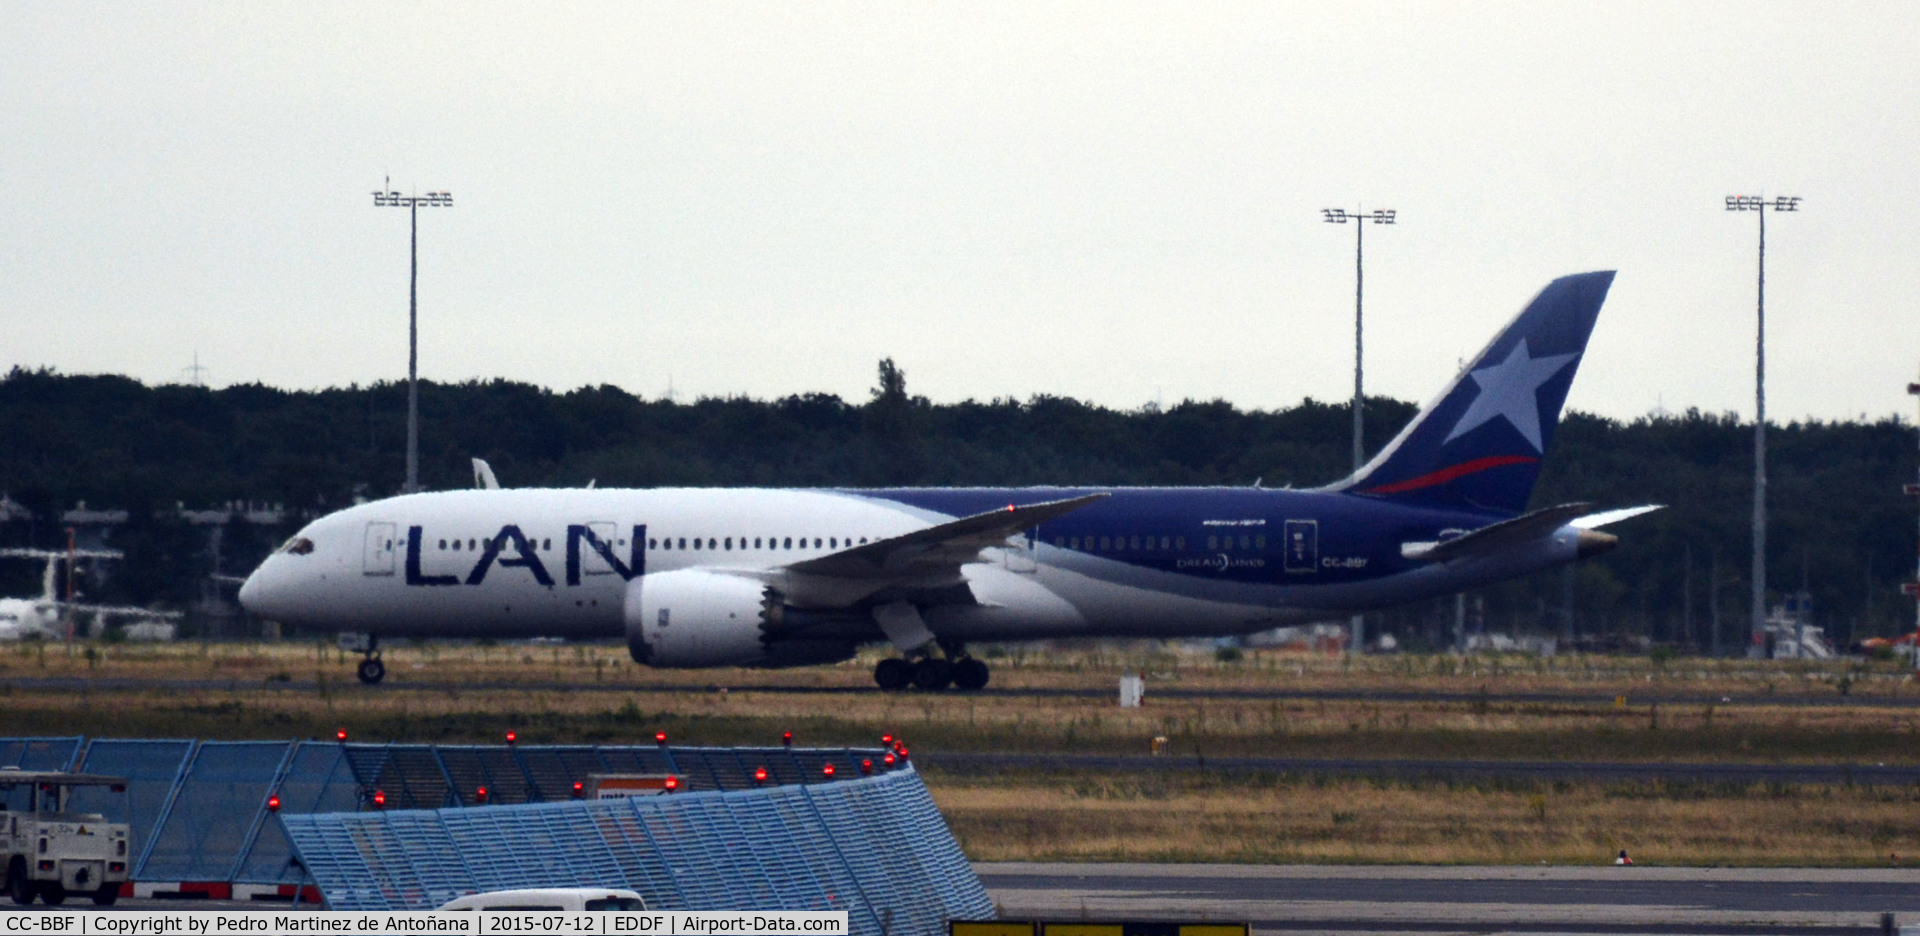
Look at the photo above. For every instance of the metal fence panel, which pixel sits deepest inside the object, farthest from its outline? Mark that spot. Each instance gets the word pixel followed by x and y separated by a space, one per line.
pixel 153 770
pixel 218 804
pixel 317 778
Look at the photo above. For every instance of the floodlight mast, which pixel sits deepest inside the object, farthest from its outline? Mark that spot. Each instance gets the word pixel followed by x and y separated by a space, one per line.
pixel 1359 218
pixel 413 204
pixel 1757 647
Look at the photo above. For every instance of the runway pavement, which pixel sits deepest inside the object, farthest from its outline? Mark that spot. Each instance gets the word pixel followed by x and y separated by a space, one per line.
pixel 1298 899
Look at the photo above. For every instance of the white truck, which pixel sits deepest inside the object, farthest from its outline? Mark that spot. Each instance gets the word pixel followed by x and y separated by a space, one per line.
pixel 50 851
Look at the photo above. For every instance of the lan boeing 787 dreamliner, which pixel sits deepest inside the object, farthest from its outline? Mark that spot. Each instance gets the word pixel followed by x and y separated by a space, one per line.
pixel 760 577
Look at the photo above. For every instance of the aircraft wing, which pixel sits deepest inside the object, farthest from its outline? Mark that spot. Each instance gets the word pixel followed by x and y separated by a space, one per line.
pixel 942 548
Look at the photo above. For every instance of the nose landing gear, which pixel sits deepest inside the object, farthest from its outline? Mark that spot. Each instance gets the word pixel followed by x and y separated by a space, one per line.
pixel 371 670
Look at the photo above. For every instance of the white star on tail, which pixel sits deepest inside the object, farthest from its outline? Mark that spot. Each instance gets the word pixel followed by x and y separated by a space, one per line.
pixel 1510 390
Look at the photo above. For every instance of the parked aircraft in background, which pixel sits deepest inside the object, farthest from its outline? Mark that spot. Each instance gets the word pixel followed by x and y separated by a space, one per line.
pixel 763 577
pixel 48 617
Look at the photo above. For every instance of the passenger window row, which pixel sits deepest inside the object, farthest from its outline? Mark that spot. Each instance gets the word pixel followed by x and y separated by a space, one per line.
pixel 1120 543
pixel 771 542
pixel 1155 543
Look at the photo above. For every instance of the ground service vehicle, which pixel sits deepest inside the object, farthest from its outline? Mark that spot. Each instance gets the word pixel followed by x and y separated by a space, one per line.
pixel 49 849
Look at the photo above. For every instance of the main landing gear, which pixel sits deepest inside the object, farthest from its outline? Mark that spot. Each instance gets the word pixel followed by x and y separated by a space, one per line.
pixel 932 673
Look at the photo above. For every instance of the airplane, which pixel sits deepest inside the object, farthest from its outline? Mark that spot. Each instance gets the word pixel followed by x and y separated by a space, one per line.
pixel 44 617
pixel 776 577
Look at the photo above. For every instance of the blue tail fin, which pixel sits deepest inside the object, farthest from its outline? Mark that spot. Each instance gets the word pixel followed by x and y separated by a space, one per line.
pixel 1478 445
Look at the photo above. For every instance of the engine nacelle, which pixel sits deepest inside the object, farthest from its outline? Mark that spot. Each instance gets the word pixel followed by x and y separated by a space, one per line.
pixel 693 618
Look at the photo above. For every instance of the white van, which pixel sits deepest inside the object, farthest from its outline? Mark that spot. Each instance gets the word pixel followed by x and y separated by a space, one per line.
pixel 563 899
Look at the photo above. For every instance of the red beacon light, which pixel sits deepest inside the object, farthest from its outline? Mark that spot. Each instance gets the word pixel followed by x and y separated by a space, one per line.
pixel 886 740
pixel 340 736
pixel 866 765
pixel 827 771
pixel 480 795
pixel 273 803
pixel 379 799
pixel 512 737
pixel 786 738
pixel 903 752
pixel 579 790
pixel 888 760
pixel 660 738
pixel 759 775
pixel 672 784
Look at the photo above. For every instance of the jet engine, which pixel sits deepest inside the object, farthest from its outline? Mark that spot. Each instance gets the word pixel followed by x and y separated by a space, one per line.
pixel 694 618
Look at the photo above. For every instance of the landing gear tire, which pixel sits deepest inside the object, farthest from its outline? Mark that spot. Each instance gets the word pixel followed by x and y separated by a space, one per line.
pixel 53 893
pixel 106 895
pixel 970 674
pixel 19 886
pixel 932 674
pixel 892 673
pixel 372 671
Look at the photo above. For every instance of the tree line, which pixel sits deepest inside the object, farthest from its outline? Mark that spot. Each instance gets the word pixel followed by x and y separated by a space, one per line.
pixel 1839 521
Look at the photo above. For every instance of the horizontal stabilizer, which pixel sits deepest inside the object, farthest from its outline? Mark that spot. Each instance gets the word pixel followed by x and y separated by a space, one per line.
pixel 944 547
pixel 1532 526
pixel 1498 536
pixel 1606 517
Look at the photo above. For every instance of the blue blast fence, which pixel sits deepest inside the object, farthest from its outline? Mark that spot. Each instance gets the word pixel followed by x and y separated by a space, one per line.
pixel 874 846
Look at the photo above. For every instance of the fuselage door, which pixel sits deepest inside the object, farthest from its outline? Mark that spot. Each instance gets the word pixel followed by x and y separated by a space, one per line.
pixel 379 553
pixel 1020 553
pixel 591 562
pixel 1303 545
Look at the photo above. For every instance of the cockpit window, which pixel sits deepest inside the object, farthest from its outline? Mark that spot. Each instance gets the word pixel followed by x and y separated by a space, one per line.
pixel 298 546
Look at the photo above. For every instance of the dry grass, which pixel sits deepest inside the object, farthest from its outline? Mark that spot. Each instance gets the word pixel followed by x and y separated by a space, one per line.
pixel 1165 817
pixel 584 693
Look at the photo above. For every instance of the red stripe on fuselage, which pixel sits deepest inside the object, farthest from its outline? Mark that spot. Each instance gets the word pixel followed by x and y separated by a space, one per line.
pixel 1448 474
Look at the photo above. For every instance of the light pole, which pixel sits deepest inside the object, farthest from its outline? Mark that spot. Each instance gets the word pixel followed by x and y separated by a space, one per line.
pixel 1913 587
pixel 1757 648
pixel 1359 218
pixel 413 204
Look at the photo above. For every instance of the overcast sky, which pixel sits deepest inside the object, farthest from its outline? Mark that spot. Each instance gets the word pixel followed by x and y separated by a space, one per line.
pixel 1115 202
